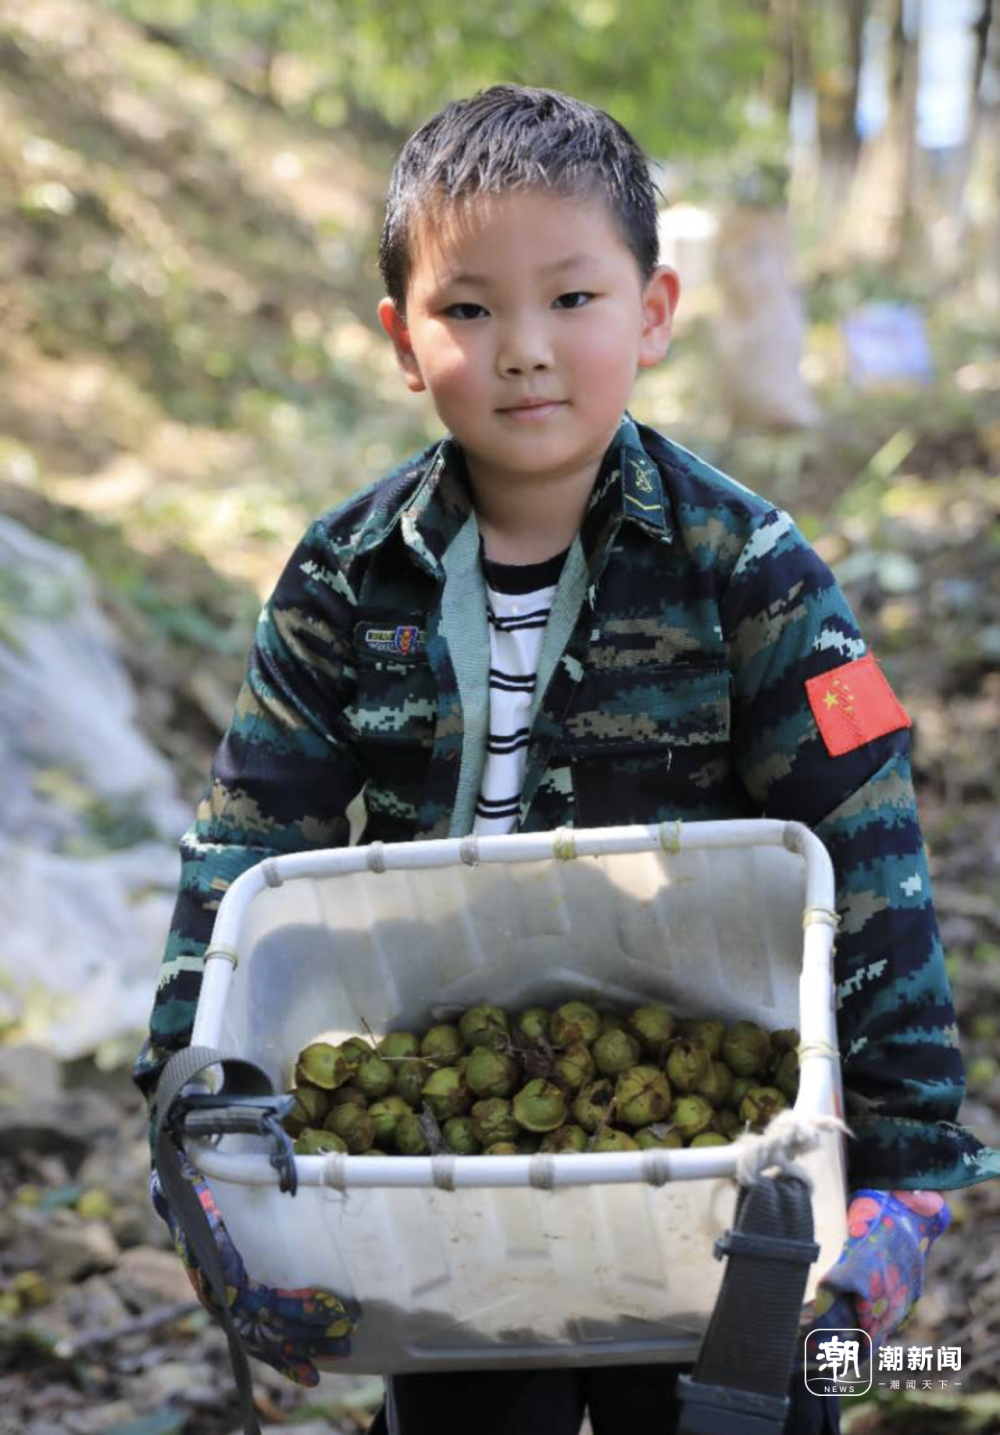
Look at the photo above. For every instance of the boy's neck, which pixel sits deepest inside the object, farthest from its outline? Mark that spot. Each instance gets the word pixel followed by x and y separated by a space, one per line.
pixel 534 519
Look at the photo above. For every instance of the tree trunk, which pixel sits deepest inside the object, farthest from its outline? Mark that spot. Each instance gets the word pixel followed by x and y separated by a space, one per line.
pixel 902 127
pixel 985 166
pixel 780 81
pixel 837 90
pixel 976 117
pixel 879 216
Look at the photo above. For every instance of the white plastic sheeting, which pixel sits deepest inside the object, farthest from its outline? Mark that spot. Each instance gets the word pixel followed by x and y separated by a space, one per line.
pixel 82 936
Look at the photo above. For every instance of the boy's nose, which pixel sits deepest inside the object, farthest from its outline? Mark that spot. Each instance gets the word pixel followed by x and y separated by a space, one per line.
pixel 524 350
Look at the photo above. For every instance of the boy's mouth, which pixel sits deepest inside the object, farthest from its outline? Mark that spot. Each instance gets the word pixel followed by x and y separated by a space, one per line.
pixel 532 408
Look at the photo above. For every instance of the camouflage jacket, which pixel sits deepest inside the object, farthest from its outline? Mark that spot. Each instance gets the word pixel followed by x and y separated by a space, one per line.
pixel 688 617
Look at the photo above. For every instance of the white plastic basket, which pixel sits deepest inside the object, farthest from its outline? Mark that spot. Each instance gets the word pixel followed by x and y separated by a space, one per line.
pixel 518 1260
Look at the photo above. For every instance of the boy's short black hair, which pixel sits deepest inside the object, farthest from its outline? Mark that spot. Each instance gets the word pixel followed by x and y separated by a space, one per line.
pixel 512 137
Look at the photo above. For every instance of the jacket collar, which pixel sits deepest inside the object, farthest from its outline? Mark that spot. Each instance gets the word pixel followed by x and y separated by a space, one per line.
pixel 628 489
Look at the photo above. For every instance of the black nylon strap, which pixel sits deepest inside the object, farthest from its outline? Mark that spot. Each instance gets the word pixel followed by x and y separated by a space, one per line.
pixel 739 1385
pixel 241 1077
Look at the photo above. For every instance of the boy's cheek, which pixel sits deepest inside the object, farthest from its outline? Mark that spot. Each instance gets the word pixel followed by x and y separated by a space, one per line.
pixel 453 381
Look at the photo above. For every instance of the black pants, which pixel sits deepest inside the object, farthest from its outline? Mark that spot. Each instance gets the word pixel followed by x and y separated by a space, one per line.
pixel 620 1400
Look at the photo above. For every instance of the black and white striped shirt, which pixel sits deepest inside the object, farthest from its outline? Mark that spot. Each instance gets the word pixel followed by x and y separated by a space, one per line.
pixel 519 598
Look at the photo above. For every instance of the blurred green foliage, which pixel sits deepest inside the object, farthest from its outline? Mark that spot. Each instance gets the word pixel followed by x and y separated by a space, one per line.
pixel 678 76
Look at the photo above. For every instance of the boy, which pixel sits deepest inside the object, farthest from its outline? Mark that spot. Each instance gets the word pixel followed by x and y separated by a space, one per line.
pixel 557 617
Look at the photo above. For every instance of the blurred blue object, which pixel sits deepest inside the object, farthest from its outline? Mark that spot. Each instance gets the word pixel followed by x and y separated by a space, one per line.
pixel 887 344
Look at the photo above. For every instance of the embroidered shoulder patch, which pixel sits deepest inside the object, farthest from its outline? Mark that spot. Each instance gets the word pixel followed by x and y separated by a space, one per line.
pixel 854 704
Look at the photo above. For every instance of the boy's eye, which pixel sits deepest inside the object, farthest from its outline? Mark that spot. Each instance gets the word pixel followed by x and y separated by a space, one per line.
pixel 575 299
pixel 464 311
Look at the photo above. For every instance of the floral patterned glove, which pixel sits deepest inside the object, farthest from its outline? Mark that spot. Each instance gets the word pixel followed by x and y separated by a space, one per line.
pixel 879 1277
pixel 288 1329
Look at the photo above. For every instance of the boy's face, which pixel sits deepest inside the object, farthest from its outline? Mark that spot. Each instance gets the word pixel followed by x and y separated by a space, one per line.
pixel 526 321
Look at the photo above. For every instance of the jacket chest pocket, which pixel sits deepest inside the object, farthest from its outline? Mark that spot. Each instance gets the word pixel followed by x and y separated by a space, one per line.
pixel 635 710
pixel 395 707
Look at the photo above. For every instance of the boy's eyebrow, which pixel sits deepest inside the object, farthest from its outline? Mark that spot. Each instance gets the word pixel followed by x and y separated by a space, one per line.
pixel 569 262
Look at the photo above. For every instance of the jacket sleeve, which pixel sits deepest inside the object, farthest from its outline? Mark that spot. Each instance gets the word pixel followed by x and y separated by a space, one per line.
pixel 281 780
pixel 785 621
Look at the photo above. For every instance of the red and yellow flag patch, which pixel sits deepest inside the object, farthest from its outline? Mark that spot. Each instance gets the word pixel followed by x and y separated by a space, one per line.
pixel 854 704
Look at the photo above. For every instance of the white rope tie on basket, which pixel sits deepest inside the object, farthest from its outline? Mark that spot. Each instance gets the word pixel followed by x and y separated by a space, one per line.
pixel 787 1136
pixel 468 850
pixel 564 845
pixel 670 837
pixel 821 916
pixel 818 1048
pixel 656 1168
pixel 222 949
pixel 542 1171
pixel 272 875
pixel 443 1172
pixel 376 857
pixel 331 1174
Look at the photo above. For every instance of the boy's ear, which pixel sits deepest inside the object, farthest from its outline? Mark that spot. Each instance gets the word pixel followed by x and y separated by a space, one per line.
pixel 659 301
pixel 394 324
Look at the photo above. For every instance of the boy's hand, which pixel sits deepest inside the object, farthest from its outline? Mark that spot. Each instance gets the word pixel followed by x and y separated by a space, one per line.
pixel 879 1277
pixel 288 1329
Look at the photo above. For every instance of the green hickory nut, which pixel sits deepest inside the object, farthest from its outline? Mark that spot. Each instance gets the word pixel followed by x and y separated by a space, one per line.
pixel 385 1116
pixel 786 1075
pixel 691 1115
pixel 565 1138
pixel 355 1049
pixel 375 1077
pixel 612 1139
pixel 490 1073
pixel 501 1148
pixel 726 1122
pixel 575 1066
pixel 746 1049
pixel 717 1085
pixel 309 1110
pixel 322 1064
pixel 493 1120
pixel 441 1044
pixel 349 1095
pixel 658 1137
pixel 615 1051
pixel 760 1104
pixel 709 1138
pixel 688 1064
pixel 741 1085
pixel 572 1023
pixel 642 1096
pixel 709 1030
pixel 460 1136
pixel 410 1138
pixel 410 1079
pixel 312 1142
pixel 484 1026
pixel 446 1093
pixel 531 1026
pixel 653 1024
pixel 784 1038
pixel 397 1044
pixel 591 1105
pixel 353 1125
pixel 540 1106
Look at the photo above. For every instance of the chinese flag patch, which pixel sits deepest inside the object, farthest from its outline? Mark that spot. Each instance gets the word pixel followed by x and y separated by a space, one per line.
pixel 854 704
